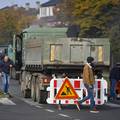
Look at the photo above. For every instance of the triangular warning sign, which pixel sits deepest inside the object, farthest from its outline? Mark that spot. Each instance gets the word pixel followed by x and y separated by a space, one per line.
pixel 66 91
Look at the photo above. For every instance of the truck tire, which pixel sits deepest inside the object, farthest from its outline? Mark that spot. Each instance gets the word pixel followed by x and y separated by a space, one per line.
pixel 25 90
pixel 27 93
pixel 43 96
pixel 37 92
pixel 33 89
pixel 22 81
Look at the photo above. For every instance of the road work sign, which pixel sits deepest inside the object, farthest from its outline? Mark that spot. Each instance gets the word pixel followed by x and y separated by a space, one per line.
pixel 67 91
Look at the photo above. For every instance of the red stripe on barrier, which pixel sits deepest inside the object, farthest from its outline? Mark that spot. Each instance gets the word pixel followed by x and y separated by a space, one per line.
pixel 77 84
pixel 54 101
pixel 87 102
pixel 99 102
pixel 99 84
pixel 55 83
pixel 66 101
pixel 75 102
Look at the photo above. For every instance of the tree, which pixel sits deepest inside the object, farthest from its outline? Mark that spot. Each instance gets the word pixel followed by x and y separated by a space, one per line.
pixel 7 24
pixel 91 15
pixel 115 43
pixel 11 22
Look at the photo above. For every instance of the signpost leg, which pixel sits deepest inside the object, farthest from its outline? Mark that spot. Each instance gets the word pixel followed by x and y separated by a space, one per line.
pixel 59 105
pixel 78 106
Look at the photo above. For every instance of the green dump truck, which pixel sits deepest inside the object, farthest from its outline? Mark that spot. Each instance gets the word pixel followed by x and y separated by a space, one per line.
pixel 41 53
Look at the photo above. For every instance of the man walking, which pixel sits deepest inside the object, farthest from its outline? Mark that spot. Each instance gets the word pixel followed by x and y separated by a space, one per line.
pixel 89 80
pixel 5 65
pixel 114 78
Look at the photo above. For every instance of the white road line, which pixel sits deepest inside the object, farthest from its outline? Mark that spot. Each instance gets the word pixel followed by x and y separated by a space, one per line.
pixel 30 102
pixel 38 106
pixel 112 105
pixel 49 110
pixel 63 115
pixel 6 101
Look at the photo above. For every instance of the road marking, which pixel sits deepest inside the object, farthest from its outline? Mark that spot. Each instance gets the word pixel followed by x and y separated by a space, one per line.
pixel 112 105
pixel 6 101
pixel 63 115
pixel 30 102
pixel 38 106
pixel 49 110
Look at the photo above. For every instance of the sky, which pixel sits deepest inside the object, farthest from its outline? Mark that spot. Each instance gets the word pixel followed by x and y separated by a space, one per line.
pixel 4 3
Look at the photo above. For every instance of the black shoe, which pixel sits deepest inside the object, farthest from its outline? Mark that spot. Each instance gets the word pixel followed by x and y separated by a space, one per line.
pixel 112 99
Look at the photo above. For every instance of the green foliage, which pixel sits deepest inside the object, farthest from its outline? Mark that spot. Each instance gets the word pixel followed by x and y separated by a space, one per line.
pixel 115 37
pixel 115 43
pixel 89 14
pixel 11 22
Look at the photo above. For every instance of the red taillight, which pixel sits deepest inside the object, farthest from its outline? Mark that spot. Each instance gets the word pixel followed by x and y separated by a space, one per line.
pixel 46 80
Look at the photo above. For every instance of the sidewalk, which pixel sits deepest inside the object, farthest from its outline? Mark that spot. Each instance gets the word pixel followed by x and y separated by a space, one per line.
pixel 14 88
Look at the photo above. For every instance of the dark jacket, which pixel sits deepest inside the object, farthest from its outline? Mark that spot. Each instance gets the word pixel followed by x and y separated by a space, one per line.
pixel 115 73
pixel 118 73
pixel 5 66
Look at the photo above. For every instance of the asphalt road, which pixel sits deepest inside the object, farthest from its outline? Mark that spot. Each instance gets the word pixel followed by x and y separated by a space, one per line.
pixel 18 108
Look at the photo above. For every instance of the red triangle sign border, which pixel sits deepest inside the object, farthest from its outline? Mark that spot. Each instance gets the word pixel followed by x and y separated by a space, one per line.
pixel 58 96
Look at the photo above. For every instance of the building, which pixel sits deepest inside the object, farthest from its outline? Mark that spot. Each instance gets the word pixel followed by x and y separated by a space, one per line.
pixel 46 9
pixel 46 16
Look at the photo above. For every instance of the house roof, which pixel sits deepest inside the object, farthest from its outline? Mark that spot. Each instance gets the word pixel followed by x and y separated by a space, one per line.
pixel 51 3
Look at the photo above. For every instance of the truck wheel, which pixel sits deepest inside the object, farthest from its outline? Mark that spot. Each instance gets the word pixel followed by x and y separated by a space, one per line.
pixel 24 82
pixel 43 96
pixel 37 92
pixel 27 93
pixel 33 91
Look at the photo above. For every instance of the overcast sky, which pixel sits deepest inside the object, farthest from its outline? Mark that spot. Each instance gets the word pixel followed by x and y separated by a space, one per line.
pixel 4 3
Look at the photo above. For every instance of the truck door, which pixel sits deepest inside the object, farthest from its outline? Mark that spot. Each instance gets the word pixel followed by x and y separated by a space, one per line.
pixel 18 52
pixel 76 54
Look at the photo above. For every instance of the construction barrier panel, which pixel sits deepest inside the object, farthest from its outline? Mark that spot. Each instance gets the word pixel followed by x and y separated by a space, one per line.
pixel 67 91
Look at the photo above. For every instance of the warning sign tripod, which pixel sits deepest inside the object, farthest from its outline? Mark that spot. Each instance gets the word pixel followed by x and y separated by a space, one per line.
pixel 67 91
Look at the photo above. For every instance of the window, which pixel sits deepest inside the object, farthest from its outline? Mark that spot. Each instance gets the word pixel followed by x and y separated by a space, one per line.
pixel 55 53
pixel 19 45
pixel 96 51
pixel 46 11
pixel 100 53
pixel 43 12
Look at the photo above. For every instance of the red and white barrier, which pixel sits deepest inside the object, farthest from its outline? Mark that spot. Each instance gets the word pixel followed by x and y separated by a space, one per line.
pixel 100 90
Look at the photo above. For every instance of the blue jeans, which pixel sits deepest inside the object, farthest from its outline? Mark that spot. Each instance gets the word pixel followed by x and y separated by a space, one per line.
pixel 89 96
pixel 113 83
pixel 5 80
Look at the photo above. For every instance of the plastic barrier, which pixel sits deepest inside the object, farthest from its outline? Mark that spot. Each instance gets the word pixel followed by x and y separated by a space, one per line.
pixel 56 85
